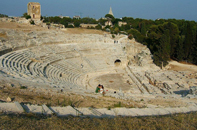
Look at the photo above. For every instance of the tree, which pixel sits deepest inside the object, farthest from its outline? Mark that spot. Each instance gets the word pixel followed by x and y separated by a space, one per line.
pixel 143 29
pixel 180 52
pixel 76 23
pixel 25 15
pixel 194 53
pixel 174 36
pixel 130 36
pixel 102 21
pixel 115 21
pixel 109 16
pixel 99 27
pixel 188 40
pixel 137 35
pixel 162 55
pixel 116 30
pixel 87 20
pixel 32 22
pixel 3 15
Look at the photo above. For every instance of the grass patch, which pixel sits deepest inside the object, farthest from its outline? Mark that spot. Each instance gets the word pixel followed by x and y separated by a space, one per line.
pixel 32 97
pixel 23 87
pixel 4 35
pixel 119 104
pixel 33 121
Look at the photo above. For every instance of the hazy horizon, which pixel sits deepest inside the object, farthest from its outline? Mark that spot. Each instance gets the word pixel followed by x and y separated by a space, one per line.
pixel 152 9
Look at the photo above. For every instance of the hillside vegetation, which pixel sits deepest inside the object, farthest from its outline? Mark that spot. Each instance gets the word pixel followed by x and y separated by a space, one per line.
pixel 166 38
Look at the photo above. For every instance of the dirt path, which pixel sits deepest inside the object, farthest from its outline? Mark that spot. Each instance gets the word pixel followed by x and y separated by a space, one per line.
pixel 176 66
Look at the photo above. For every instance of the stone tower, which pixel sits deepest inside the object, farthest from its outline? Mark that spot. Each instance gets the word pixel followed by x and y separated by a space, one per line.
pixel 110 11
pixel 34 10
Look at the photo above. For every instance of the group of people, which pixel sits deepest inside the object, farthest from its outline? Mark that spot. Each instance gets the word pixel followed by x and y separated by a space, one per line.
pixel 100 89
pixel 115 41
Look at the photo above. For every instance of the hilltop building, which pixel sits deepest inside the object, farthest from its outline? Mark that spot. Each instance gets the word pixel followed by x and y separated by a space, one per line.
pixel 120 23
pixel 34 10
pixel 110 11
pixel 108 22
pixel 76 17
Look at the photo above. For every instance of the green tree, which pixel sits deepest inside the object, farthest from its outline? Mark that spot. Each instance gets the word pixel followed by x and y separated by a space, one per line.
pixel 32 22
pixel 99 27
pixel 102 21
pixel 174 36
pixel 3 15
pixel 115 21
pixel 188 40
pixel 116 30
pixel 180 52
pixel 137 35
pixel 25 15
pixel 143 29
pixel 87 20
pixel 162 55
pixel 109 16
pixel 77 23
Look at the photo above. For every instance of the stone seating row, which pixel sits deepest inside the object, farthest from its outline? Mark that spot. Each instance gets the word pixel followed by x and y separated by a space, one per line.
pixel 68 74
pixel 145 83
pixel 164 86
pixel 136 81
pixel 36 71
pixel 16 62
pixel 143 79
pixel 93 112
pixel 53 74
pixel 100 63
pixel 33 61
pixel 151 89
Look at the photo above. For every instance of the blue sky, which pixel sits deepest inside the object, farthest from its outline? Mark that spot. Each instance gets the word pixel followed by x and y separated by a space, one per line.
pixel 147 9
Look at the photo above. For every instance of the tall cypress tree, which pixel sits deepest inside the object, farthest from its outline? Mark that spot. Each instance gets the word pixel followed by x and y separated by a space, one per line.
pixel 180 52
pixel 174 35
pixel 188 40
pixel 143 29
pixel 165 47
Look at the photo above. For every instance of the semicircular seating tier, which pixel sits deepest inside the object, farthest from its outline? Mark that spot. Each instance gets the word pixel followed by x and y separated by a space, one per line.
pixel 62 64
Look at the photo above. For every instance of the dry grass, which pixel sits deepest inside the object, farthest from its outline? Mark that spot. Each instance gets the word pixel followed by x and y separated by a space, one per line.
pixel 83 31
pixel 24 95
pixel 32 121
pixel 21 27
pixel 167 102
pixel 181 66
pixel 29 28
pixel 3 35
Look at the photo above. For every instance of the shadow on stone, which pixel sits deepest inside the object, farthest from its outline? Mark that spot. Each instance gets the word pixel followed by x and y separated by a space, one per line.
pixel 183 93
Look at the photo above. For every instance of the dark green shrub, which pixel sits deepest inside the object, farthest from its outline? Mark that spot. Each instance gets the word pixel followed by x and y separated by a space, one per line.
pixel 23 87
pixel 32 22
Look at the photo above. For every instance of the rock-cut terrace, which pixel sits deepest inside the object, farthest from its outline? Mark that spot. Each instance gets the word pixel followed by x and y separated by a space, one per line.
pixel 77 61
